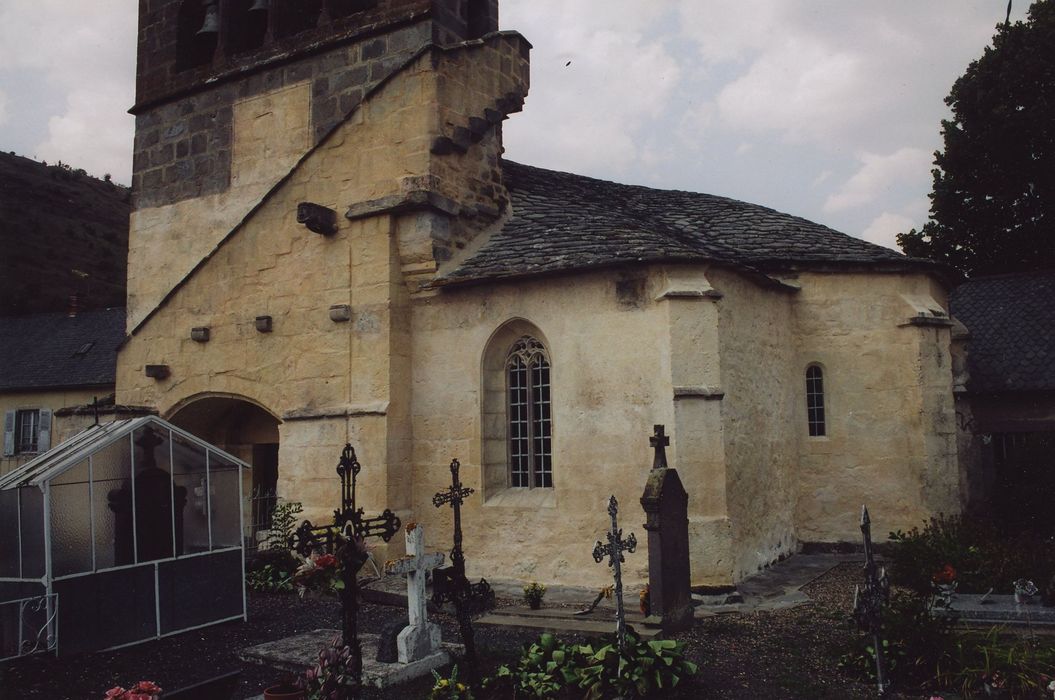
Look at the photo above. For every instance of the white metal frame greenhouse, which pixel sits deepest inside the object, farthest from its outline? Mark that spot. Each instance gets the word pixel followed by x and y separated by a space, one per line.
pixel 133 527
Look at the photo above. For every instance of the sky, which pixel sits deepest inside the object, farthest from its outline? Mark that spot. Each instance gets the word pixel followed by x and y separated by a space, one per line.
pixel 827 109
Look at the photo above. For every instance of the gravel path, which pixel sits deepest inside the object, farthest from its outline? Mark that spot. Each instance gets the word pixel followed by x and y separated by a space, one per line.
pixel 781 654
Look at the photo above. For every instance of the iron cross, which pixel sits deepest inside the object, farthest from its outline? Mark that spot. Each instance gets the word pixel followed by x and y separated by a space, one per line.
pixel 869 602
pixel 450 584
pixel 346 538
pixel 659 442
pixel 614 551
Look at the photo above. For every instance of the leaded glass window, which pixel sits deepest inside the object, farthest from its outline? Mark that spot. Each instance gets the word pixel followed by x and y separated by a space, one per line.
pixel 815 401
pixel 528 410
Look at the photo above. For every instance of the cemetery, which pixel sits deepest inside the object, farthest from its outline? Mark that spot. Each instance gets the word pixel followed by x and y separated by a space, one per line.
pixel 413 627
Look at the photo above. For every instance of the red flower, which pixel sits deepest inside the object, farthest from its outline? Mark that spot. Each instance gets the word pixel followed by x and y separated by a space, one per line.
pixel 946 575
pixel 326 561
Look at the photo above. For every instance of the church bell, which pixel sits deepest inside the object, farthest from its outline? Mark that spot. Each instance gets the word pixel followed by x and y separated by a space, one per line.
pixel 260 6
pixel 211 25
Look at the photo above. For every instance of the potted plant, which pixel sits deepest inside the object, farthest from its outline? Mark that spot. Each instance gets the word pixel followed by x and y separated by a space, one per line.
pixel 285 690
pixel 944 583
pixel 533 593
pixel 1024 591
pixel 143 690
pixel 330 677
pixel 645 600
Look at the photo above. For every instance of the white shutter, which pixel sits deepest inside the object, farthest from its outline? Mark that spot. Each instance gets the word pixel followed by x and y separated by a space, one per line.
pixel 44 436
pixel 9 433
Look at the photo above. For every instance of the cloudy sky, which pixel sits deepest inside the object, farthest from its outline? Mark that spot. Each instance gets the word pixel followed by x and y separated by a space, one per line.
pixel 829 109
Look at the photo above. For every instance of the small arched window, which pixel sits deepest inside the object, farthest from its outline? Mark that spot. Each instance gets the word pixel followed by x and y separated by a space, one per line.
pixel 815 401
pixel 528 415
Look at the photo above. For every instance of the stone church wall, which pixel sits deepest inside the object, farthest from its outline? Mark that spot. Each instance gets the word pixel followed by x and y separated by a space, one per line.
pixel 761 387
pixel 610 384
pixel 886 385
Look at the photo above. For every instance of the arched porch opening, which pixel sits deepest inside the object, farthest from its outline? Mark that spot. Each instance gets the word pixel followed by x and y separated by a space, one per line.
pixel 248 431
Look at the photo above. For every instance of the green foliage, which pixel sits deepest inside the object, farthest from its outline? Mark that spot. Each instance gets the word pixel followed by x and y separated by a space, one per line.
pixel 549 668
pixel 643 669
pixel 983 556
pixel 545 667
pixel 450 688
pixel 1019 666
pixel 915 643
pixel 269 580
pixel 284 519
pixel 993 198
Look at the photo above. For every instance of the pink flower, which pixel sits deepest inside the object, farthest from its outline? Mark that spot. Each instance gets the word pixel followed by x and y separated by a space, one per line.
pixel 115 692
pixel 146 687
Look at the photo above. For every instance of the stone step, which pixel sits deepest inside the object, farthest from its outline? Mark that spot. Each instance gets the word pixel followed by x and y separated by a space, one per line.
pixel 560 623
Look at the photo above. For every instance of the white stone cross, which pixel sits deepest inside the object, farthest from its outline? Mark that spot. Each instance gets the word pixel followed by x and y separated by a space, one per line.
pixel 421 637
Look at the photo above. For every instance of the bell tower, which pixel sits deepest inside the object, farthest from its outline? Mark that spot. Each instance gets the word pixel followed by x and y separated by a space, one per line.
pixel 230 94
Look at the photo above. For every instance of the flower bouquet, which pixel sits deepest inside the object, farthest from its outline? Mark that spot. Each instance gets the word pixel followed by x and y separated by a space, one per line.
pixel 318 575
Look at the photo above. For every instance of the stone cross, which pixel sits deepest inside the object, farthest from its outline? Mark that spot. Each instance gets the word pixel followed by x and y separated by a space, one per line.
pixel 666 506
pixel 869 602
pixel 614 551
pixel 420 638
pixel 659 442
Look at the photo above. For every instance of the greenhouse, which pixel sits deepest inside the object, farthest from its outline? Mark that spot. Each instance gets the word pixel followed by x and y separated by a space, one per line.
pixel 127 532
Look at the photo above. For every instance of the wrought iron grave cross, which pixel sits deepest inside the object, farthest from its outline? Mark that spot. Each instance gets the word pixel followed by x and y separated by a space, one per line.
pixel 346 538
pixel 869 602
pixel 450 584
pixel 614 551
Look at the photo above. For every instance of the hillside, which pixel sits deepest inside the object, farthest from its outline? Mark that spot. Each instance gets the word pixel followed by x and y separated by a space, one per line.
pixel 62 232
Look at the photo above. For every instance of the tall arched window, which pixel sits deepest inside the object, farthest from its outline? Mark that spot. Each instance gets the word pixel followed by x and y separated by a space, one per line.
pixel 815 401
pixel 528 415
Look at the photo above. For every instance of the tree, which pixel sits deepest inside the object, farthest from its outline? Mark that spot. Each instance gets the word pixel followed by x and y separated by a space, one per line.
pixel 993 201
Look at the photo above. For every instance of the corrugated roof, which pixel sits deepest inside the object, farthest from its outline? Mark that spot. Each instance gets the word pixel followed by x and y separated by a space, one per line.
pixel 562 221
pixel 55 350
pixel 1011 319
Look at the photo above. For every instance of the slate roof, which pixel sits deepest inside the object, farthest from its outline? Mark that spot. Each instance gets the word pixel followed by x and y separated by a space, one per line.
pixel 1011 319
pixel 43 351
pixel 563 222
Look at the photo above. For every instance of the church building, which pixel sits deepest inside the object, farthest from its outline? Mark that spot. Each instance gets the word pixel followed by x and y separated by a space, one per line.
pixel 328 245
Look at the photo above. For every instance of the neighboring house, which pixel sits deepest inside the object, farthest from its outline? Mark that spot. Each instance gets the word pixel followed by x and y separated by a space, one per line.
pixel 50 362
pixel 328 246
pixel 1007 413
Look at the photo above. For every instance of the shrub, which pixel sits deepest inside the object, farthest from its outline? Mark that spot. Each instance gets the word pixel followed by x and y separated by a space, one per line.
pixel 545 667
pixel 983 556
pixel 915 643
pixel 284 518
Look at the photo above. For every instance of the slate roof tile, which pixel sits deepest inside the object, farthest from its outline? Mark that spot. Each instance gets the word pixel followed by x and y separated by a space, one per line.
pixel 1011 319
pixel 54 350
pixel 562 221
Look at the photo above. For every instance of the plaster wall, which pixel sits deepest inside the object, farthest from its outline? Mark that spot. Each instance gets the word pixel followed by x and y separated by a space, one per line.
pixel 890 441
pixel 610 383
pixel 759 381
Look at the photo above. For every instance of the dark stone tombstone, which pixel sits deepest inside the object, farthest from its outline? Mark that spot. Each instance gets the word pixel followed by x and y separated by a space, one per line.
pixel 387 647
pixel 666 505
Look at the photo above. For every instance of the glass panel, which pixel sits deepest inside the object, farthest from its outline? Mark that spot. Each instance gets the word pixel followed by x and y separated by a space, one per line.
pixel 112 505
pixel 71 536
pixel 153 501
pixel 815 401
pixel 32 532
pixel 223 479
pixel 540 423
pixel 199 590
pixel 519 455
pixel 9 564
pixel 188 470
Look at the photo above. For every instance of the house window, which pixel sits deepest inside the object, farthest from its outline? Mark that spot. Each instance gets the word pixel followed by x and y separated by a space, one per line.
pixel 528 414
pixel 815 401
pixel 27 431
